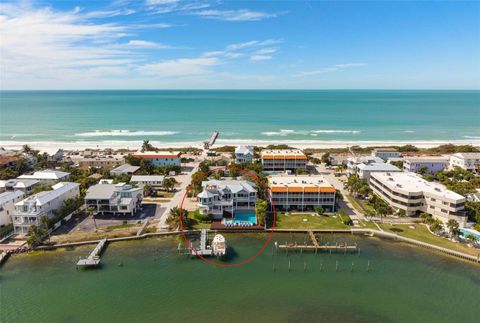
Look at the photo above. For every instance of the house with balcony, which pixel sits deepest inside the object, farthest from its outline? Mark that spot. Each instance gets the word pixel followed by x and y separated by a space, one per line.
pixel 243 154
pixel 283 159
pixel 30 210
pixel 160 158
pixel 117 199
pixel 431 164
pixel 468 161
pixel 7 205
pixel 226 198
pixel 364 166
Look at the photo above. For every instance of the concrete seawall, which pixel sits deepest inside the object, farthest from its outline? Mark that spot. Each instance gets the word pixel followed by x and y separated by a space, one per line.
pixel 377 233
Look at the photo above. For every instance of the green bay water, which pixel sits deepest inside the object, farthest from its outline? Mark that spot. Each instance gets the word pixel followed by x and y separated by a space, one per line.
pixel 190 116
pixel 155 284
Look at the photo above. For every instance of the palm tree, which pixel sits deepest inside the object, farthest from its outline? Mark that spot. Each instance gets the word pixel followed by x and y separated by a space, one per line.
pixel 27 149
pixel 174 218
pixel 452 226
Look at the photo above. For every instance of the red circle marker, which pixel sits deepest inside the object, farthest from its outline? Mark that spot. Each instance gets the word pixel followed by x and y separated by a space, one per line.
pixel 269 238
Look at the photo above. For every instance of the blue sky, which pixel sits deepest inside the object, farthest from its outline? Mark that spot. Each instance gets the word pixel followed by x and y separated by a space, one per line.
pixel 150 44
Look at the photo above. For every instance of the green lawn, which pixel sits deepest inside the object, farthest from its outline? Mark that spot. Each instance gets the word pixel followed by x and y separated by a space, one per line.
pixel 421 233
pixel 367 225
pixel 164 194
pixel 196 223
pixel 295 221
pixel 361 206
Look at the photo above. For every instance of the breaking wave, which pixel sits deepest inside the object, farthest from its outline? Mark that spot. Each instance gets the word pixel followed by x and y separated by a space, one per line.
pixel 287 132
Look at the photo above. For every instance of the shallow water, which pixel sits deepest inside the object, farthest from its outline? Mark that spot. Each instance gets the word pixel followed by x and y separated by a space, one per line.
pixel 404 283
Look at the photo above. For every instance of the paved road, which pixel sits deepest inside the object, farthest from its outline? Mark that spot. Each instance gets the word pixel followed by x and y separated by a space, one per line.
pixel 184 180
pixel 335 181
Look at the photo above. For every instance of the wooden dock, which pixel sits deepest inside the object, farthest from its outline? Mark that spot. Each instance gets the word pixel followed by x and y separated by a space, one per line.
pixel 93 260
pixel 211 142
pixel 316 246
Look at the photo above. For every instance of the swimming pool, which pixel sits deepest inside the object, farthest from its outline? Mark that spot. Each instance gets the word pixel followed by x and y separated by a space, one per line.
pixel 245 216
pixel 466 232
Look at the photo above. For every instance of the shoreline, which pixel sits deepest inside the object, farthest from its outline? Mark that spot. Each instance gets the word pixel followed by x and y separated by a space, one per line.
pixel 366 232
pixel 52 146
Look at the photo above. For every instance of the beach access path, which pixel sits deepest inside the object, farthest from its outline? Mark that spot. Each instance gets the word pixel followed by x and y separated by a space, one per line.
pixel 344 203
pixel 184 180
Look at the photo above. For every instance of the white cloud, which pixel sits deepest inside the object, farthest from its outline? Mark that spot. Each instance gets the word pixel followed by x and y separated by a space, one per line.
pixel 265 51
pixel 324 70
pixel 234 15
pixel 180 67
pixel 137 43
pixel 260 57
pixel 108 13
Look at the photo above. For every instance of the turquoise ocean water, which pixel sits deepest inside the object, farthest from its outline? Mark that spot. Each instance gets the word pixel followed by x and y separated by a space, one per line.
pixel 189 116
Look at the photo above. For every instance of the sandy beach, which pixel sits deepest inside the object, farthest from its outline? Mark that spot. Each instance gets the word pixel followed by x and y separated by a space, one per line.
pixel 51 147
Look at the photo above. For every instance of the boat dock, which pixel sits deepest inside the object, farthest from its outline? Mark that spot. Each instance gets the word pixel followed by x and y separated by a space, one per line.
pixel 217 248
pixel 316 246
pixel 211 142
pixel 93 259
pixel 203 249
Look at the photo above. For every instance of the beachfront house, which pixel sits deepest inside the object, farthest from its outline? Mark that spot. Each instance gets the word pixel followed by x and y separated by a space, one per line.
pixel 125 169
pixel 47 177
pixel 366 165
pixel 25 185
pixel 117 199
pixel 385 153
pixel 154 181
pixel 283 159
pixel 223 198
pixel 411 193
pixel 7 205
pixel 160 158
pixel 30 210
pixel 431 164
pixel 301 192
pixel 468 161
pixel 9 161
pixel 243 154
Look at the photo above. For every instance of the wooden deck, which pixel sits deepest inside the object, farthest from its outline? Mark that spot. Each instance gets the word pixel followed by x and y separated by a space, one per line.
pixel 217 225
pixel 315 245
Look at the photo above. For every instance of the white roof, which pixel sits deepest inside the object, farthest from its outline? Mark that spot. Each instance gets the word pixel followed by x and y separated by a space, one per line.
pixel 468 155
pixel 47 196
pixel 378 167
pixel 413 183
pixel 18 183
pixel 46 175
pixel 298 181
pixel 8 196
pixel 126 168
pixel 147 178
pixel 244 150
pixel 234 186
pixel 427 159
pixel 100 192
pixel 206 194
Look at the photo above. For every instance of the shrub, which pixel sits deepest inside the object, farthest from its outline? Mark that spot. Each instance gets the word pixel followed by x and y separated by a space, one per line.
pixel 345 217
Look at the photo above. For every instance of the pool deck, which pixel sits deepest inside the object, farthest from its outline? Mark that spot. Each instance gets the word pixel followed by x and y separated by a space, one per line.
pixel 217 225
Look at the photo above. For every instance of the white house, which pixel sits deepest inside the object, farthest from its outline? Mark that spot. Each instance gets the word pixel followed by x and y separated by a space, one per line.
pixel 154 181
pixel 117 199
pixel 7 205
pixel 411 193
pixel 385 153
pixel 25 185
pixel 432 163
pixel 364 166
pixel 30 210
pixel 219 196
pixel 468 161
pixel 47 176
pixel 244 154
pixel 126 169
pixel 160 158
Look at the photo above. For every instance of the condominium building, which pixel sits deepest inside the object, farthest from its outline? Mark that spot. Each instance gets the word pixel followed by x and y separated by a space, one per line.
pixel 365 166
pixel 7 205
pixel 47 176
pixel 224 197
pixel 301 192
pixel 117 199
pixel 385 153
pixel 30 210
pixel 283 159
pixel 160 158
pixel 100 162
pixel 432 163
pixel 411 193
pixel 468 161
pixel 244 154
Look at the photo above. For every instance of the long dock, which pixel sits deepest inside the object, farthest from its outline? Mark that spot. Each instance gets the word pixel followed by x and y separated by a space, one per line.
pixel 93 259
pixel 316 246
pixel 203 250
pixel 211 142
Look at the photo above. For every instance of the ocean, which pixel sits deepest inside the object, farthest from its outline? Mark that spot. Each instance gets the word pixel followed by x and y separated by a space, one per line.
pixel 154 284
pixel 187 116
